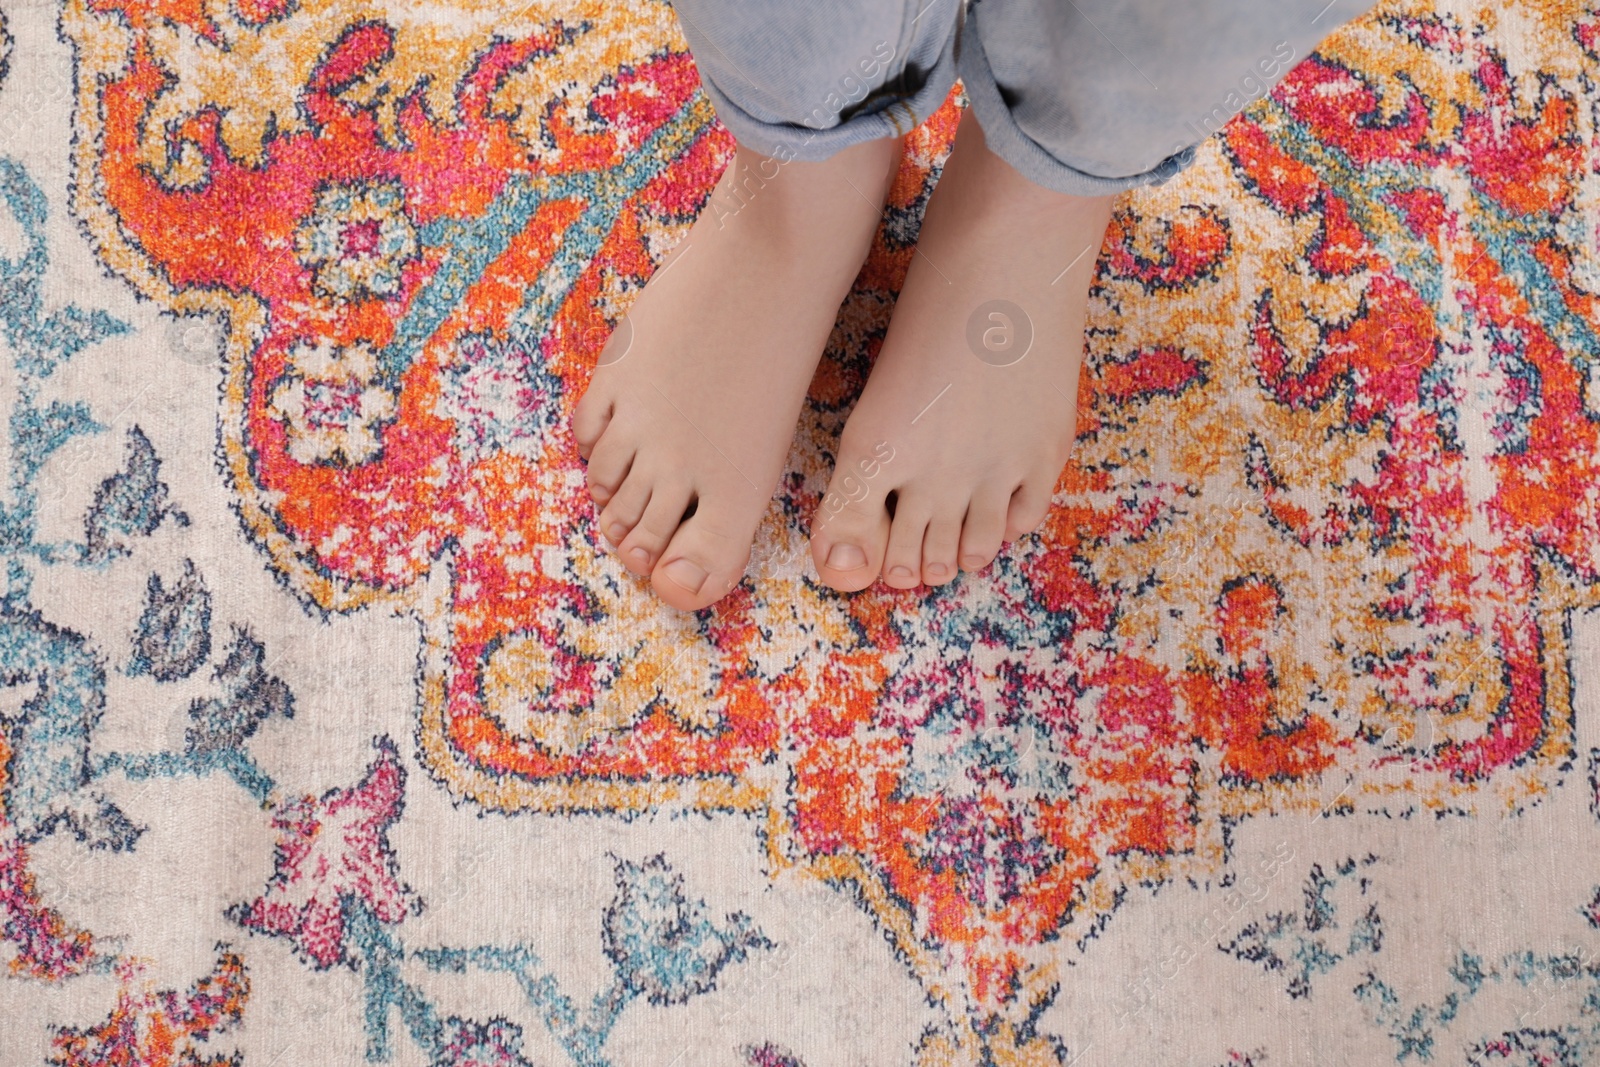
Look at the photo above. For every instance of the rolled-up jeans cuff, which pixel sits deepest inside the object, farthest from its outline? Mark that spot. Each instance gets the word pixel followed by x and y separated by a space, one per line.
pixel 1006 139
pixel 891 115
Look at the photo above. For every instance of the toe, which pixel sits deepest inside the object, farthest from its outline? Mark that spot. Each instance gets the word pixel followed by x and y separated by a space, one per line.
pixel 939 547
pixel 608 466
pixel 902 560
pixel 1028 507
pixel 623 509
pixel 650 535
pixel 848 539
pixel 984 528
pixel 589 421
pixel 705 558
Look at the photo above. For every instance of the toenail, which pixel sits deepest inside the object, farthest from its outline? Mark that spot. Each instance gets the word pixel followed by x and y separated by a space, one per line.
pixel 973 563
pixel 938 570
pixel 846 557
pixel 639 555
pixel 901 571
pixel 616 531
pixel 686 574
pixel 600 493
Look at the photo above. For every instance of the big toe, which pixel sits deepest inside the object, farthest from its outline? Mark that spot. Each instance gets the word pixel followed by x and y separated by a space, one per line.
pixel 848 540
pixel 705 558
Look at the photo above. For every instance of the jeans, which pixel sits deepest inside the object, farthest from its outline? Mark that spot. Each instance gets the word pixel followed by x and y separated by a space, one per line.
pixel 1087 97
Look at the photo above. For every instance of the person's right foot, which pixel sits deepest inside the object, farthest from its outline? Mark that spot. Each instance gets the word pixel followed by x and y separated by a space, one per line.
pixel 695 399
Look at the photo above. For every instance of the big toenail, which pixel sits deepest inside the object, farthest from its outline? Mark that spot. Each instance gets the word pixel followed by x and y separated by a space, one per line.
pixel 616 531
pixel 937 569
pixel 901 571
pixel 846 557
pixel 972 563
pixel 686 574
pixel 639 555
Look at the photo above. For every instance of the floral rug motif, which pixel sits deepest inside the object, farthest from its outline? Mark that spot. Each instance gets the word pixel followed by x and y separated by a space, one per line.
pixel 330 733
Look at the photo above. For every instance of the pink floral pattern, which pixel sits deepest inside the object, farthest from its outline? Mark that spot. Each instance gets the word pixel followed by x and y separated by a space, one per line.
pixel 331 849
pixel 46 946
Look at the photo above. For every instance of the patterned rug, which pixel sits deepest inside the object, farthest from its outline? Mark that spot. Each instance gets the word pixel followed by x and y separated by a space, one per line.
pixel 331 734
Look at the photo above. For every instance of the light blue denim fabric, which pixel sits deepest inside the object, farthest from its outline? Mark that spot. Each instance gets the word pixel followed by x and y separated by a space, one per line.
pixel 1086 97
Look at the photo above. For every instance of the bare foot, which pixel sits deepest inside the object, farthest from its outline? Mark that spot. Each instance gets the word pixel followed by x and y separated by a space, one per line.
pixel 968 415
pixel 692 408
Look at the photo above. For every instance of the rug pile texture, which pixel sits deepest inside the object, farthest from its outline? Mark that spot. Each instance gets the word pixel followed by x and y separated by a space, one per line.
pixel 331 735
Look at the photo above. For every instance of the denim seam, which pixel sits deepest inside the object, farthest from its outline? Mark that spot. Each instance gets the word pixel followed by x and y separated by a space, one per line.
pixel 773 139
pixel 1007 140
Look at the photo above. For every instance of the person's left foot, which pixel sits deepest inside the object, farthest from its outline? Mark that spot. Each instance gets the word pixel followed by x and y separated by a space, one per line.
pixel 968 415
